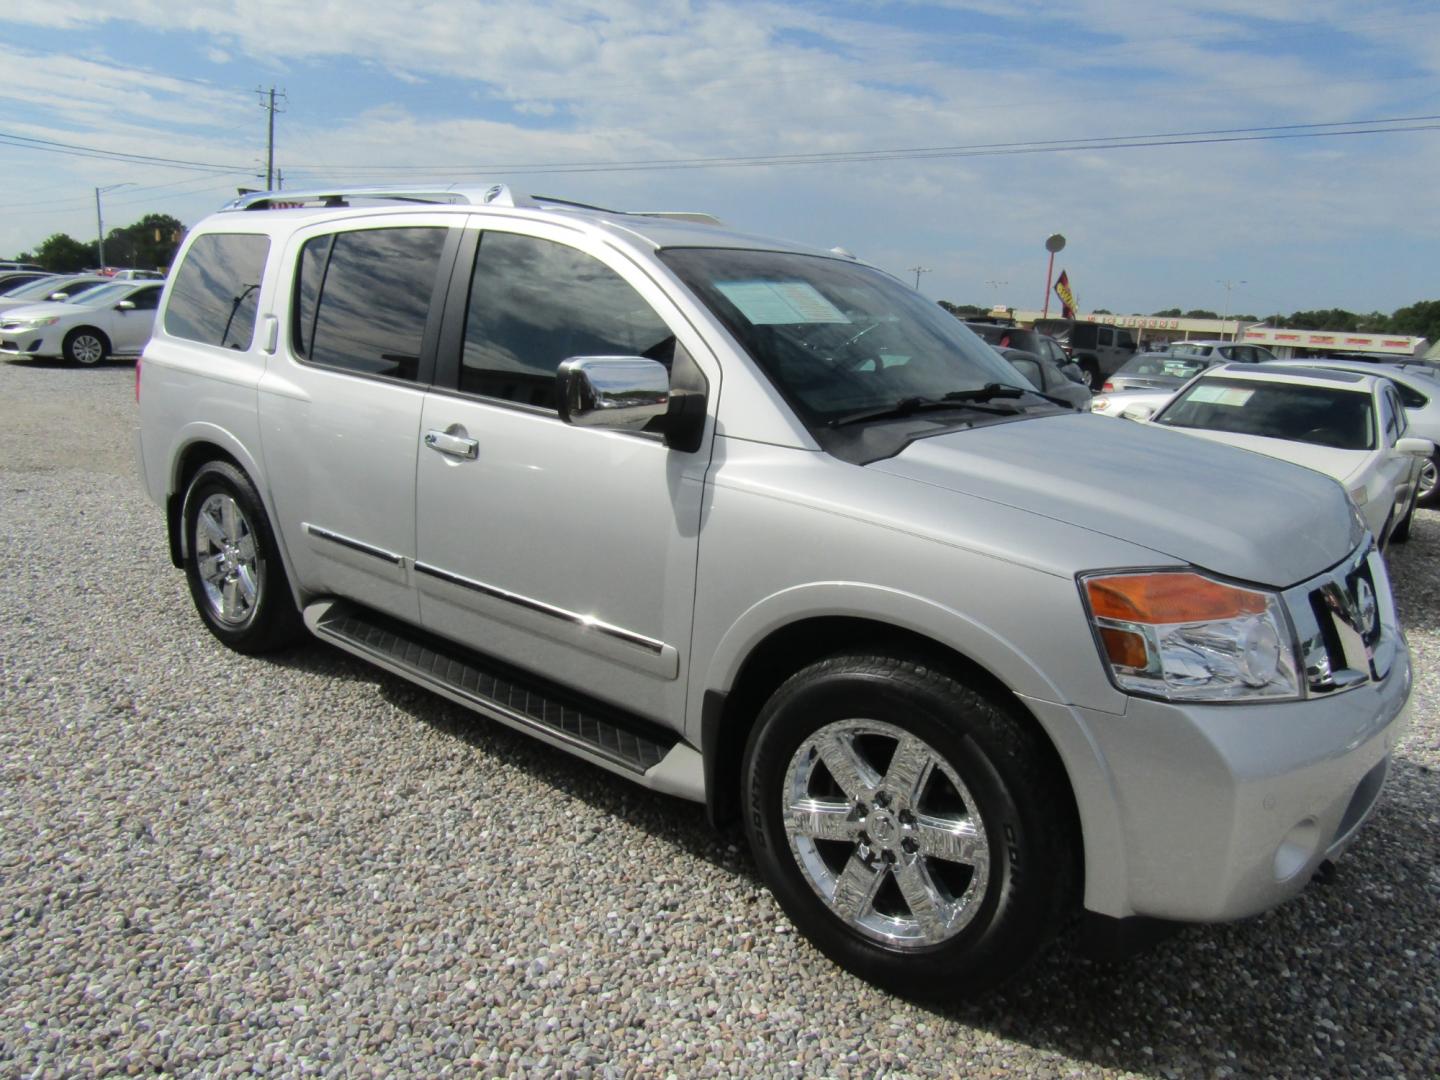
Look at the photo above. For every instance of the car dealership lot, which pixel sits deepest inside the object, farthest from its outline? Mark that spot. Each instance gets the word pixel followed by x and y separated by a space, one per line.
pixel 210 861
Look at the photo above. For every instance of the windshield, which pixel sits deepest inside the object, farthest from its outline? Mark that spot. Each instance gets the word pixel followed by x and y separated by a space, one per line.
pixel 1185 348
pixel 100 296
pixel 1154 364
pixel 1321 415
pixel 839 339
pixel 42 290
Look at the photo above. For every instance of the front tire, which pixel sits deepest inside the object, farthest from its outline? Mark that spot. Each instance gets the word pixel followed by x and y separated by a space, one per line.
pixel 233 565
pixel 915 831
pixel 86 346
pixel 1428 484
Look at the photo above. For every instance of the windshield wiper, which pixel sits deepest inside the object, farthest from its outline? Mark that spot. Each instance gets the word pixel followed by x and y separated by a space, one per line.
pixel 957 399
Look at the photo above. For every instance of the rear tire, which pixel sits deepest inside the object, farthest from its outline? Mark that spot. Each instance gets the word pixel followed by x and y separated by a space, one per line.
pixel 233 565
pixel 1093 378
pixel 915 831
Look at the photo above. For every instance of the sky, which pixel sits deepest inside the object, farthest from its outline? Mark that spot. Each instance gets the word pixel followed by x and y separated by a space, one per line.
pixel 1291 148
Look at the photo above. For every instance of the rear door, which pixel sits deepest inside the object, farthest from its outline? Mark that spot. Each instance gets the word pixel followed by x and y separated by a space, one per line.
pixel 567 551
pixel 340 402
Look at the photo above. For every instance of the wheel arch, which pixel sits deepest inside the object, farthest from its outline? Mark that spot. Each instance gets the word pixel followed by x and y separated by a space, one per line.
pixel 75 331
pixel 728 714
pixel 197 446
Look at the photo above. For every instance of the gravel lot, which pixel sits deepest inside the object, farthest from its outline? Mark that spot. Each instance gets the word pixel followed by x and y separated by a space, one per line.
pixel 213 864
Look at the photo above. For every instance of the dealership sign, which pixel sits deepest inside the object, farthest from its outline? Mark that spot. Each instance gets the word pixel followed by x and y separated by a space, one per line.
pixel 1330 339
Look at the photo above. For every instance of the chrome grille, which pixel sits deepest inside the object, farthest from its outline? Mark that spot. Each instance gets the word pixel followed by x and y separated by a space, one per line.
pixel 1346 625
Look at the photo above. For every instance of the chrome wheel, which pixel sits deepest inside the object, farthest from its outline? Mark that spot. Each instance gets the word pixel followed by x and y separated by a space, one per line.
pixel 86 349
pixel 1426 482
pixel 885 832
pixel 227 560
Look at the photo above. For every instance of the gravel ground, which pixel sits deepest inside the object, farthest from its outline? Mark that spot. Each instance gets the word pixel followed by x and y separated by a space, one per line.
pixel 220 865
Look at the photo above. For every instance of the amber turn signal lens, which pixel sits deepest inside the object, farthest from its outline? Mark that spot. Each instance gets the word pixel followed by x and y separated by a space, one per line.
pixel 1125 648
pixel 1170 598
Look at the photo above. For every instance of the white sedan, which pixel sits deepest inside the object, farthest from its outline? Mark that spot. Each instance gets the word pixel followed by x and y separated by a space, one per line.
pixel 1348 425
pixel 113 320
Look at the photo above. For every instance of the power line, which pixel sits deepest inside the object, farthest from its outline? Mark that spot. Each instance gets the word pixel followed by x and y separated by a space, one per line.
pixel 31 143
pixel 1211 136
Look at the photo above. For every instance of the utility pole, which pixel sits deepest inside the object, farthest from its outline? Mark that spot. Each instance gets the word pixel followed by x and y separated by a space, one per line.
pixel 918 271
pixel 99 224
pixel 267 102
pixel 1225 318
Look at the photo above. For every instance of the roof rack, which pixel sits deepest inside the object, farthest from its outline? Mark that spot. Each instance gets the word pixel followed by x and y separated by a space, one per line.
pixel 453 195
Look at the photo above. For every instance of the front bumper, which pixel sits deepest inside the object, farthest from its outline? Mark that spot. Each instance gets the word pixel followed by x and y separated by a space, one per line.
pixel 19 345
pixel 1226 811
pixel 1205 812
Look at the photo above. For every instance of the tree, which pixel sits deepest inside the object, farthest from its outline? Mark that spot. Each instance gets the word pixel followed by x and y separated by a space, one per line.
pixel 1101 311
pixel 1417 320
pixel 1201 313
pixel 1324 319
pixel 963 311
pixel 149 244
pixel 63 254
pixel 1168 313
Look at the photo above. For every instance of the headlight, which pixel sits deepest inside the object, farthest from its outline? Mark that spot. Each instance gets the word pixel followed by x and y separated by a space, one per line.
pixel 1182 636
pixel 1098 403
pixel 36 324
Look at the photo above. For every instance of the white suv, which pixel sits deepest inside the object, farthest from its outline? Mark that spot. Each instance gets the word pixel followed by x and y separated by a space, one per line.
pixel 761 527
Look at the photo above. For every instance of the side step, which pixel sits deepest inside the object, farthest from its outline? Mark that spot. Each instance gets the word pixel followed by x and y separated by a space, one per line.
pixel 628 745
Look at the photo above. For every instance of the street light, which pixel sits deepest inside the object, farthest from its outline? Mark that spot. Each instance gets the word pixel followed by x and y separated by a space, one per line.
pixel 100 225
pixel 1054 244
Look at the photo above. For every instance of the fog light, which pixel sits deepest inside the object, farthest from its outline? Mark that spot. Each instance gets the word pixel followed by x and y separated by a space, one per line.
pixel 1300 845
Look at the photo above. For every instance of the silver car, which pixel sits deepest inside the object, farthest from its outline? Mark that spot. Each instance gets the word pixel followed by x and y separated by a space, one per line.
pixel 761 527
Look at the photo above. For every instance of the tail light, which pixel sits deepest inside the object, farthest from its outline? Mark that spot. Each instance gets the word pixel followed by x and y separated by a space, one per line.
pixel 1108 388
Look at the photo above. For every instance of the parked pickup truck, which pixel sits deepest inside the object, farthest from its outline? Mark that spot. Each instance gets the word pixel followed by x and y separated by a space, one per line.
pixel 761 527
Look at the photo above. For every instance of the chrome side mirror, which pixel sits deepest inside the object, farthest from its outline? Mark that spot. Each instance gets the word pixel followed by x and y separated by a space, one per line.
pixel 1139 412
pixel 125 305
pixel 625 392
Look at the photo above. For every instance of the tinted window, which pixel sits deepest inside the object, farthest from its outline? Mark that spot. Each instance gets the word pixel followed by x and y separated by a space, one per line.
pixel 363 298
pixel 534 304
pixel 217 289
pixel 145 299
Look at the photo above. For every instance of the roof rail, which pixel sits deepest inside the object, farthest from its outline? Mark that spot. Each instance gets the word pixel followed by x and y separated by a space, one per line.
pixel 455 195
pixel 337 196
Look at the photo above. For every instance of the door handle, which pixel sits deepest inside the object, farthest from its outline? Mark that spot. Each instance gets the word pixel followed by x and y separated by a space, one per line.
pixel 454 445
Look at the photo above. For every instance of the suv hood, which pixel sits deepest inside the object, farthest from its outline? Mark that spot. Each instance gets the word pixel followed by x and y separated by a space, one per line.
pixel 1229 511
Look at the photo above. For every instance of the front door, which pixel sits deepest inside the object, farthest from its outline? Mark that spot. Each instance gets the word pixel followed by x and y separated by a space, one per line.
pixel 566 551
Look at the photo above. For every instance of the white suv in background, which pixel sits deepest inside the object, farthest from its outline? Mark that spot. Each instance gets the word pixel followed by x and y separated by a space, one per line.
pixel 761 527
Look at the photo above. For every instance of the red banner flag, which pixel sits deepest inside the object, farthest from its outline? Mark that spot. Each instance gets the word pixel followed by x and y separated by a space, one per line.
pixel 1067 298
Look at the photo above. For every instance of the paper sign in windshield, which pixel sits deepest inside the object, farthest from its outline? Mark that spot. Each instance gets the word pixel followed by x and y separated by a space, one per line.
pixel 780 303
pixel 1234 396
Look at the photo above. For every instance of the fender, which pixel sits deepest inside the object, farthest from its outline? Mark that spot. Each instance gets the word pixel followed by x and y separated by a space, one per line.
pixel 198 432
pixel 1088 773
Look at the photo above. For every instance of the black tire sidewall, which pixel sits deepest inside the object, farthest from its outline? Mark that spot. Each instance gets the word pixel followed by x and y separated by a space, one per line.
pixel 274 618
pixel 986 749
pixel 68 348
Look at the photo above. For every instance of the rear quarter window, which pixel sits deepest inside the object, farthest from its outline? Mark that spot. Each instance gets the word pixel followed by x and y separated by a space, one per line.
pixel 217 290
